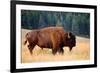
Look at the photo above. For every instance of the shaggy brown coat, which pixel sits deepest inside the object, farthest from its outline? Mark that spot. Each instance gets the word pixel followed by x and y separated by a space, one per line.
pixel 50 37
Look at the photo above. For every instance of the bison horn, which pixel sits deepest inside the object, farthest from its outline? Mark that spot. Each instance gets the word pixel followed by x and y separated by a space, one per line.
pixel 69 35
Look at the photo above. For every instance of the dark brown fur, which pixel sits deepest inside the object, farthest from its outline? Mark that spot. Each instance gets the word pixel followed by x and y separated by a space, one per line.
pixel 50 37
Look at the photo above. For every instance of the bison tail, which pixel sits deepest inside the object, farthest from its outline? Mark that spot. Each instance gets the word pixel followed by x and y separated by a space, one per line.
pixel 26 39
pixel 25 42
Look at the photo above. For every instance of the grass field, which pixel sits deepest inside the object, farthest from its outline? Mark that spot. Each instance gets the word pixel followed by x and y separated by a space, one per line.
pixel 80 52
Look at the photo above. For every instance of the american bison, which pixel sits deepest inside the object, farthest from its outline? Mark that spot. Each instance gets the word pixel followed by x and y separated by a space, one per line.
pixel 50 37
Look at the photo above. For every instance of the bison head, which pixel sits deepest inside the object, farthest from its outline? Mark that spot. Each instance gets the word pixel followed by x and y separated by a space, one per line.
pixel 70 40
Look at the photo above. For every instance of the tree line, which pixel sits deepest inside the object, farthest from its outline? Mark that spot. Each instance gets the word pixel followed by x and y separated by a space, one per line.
pixel 78 23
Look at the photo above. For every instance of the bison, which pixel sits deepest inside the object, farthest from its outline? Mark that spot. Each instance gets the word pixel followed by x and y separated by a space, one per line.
pixel 50 37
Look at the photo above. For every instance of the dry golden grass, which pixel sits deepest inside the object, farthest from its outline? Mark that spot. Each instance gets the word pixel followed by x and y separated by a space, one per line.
pixel 80 52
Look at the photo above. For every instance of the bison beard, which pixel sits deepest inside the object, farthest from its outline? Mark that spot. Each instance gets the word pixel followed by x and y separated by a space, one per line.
pixel 50 37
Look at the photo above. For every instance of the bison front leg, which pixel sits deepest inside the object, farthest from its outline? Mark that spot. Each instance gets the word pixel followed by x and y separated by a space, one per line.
pixel 61 50
pixel 54 51
pixel 70 48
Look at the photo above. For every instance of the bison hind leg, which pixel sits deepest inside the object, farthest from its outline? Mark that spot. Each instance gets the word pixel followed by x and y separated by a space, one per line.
pixel 54 51
pixel 70 48
pixel 31 47
pixel 62 51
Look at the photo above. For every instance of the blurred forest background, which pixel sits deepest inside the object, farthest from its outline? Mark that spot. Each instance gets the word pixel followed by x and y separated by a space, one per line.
pixel 78 23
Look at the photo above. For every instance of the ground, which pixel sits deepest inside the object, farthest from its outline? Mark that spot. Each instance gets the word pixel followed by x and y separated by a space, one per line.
pixel 80 52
